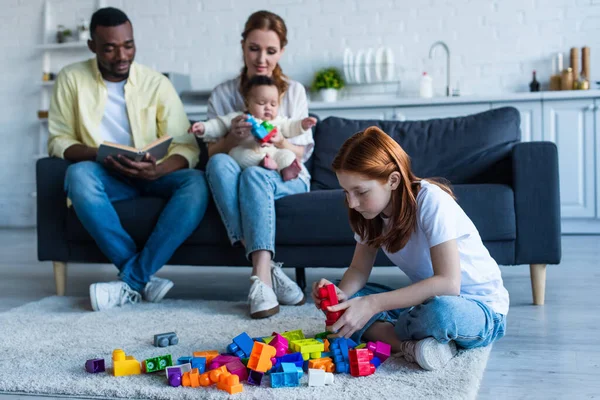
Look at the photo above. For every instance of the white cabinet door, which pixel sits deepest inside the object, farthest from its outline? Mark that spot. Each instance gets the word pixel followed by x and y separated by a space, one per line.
pixel 531 118
pixel 438 111
pixel 381 113
pixel 570 124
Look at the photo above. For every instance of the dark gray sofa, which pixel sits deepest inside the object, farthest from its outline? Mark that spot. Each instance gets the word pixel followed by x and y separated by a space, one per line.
pixel 509 189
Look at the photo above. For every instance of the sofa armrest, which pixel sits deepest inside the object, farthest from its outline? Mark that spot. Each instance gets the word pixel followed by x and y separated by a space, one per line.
pixel 537 203
pixel 51 209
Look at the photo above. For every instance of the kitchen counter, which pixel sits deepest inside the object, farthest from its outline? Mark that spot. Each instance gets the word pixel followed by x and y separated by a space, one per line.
pixel 394 101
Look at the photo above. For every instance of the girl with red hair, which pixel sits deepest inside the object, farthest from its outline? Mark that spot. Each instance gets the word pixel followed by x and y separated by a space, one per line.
pixel 457 297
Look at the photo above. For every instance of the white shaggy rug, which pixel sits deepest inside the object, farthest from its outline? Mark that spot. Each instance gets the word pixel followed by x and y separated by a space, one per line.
pixel 44 346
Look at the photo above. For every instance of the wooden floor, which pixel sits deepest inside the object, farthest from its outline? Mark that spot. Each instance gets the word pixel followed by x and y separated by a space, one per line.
pixel 549 352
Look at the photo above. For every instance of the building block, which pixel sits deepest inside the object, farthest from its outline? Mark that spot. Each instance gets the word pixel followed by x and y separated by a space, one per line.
pixel 262 132
pixel 215 374
pixel 260 359
pixel 231 384
pixel 208 354
pixel 310 348
pixel 339 348
pixel 255 378
pixel 318 377
pixel 185 379
pixel 376 362
pixel 361 346
pixel 326 364
pixel 166 339
pixel 295 358
pixel 237 368
pixel 322 335
pixel 200 363
pixel 125 365
pixel 287 378
pixel 157 363
pixel 184 360
pixel 187 367
pixel 194 377
pixel 267 339
pixel 326 344
pixel 380 350
pixel 293 335
pixel 329 298
pixel 241 345
pixel 222 359
pixel 280 343
pixel 175 379
pixel 360 362
pixel 95 365
pixel 291 368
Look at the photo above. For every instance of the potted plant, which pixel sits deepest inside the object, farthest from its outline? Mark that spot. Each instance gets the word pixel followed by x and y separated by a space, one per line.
pixel 62 34
pixel 327 82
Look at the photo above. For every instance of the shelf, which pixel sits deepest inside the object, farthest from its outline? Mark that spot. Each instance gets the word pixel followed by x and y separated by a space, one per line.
pixel 58 46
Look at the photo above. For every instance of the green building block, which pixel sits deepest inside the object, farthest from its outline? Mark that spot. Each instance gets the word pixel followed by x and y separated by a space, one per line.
pixel 159 363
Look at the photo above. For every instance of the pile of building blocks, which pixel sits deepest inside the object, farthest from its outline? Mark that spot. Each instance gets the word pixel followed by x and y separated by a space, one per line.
pixel 285 357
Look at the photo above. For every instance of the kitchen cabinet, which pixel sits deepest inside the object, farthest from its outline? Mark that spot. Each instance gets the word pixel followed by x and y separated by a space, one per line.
pixel 440 111
pixel 531 118
pixel 570 124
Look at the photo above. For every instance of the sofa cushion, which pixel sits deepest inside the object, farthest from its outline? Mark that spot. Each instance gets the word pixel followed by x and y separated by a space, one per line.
pixel 458 149
pixel 316 218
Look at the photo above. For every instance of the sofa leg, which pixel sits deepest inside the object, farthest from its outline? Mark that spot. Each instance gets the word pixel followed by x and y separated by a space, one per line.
pixel 538 283
pixel 301 278
pixel 60 277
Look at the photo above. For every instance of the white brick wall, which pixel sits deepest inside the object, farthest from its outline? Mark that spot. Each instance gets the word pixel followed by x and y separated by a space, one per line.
pixel 495 45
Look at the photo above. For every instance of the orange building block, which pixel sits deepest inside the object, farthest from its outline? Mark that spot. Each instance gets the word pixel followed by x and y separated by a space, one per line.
pixel 326 343
pixel 208 354
pixel 125 365
pixel 215 374
pixel 204 379
pixel 260 359
pixel 231 384
pixel 194 378
pixel 185 379
pixel 326 364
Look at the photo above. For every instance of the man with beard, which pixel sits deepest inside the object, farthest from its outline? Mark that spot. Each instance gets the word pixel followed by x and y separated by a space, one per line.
pixel 112 98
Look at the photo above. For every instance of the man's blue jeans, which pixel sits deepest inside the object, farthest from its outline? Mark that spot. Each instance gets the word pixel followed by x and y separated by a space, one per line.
pixel 470 323
pixel 246 200
pixel 92 189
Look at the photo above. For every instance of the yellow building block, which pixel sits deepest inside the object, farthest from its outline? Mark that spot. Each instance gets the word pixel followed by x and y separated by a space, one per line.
pixel 293 335
pixel 310 348
pixel 125 365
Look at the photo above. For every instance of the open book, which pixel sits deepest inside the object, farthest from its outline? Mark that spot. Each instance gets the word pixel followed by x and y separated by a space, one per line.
pixel 158 149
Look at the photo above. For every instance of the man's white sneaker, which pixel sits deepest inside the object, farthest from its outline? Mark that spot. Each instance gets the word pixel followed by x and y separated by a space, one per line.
pixel 263 302
pixel 156 289
pixel 428 353
pixel 287 291
pixel 112 294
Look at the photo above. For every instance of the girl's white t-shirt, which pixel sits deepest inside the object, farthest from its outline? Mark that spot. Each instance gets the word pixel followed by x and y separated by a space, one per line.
pixel 440 219
pixel 226 98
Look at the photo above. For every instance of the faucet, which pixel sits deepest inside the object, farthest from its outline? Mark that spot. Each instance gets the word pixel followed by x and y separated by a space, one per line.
pixel 445 46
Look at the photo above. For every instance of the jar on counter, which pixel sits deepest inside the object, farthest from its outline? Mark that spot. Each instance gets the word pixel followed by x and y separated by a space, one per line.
pixel 566 79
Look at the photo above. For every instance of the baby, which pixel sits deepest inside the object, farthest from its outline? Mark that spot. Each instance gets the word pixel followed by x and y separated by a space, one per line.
pixel 261 96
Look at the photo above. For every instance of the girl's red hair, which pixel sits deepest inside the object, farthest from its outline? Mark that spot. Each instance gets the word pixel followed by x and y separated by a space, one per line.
pixel 374 155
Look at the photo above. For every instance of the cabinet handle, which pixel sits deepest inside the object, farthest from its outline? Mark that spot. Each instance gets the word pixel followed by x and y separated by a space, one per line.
pixel 591 107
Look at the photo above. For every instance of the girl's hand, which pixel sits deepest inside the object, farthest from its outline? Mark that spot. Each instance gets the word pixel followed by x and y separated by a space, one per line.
pixel 197 129
pixel 315 292
pixel 357 312
pixel 308 123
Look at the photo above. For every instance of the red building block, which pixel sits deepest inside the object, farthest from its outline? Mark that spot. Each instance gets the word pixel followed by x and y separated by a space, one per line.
pixel 360 362
pixel 329 298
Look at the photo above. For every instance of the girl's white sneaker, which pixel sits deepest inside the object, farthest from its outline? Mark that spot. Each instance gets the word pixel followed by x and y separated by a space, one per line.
pixel 263 302
pixel 428 353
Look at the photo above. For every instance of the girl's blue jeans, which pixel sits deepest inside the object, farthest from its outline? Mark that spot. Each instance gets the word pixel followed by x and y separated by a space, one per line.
pixel 470 323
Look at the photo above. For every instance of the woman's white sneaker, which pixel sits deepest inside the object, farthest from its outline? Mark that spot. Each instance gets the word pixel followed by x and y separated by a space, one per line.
pixel 428 353
pixel 287 291
pixel 263 302
pixel 112 294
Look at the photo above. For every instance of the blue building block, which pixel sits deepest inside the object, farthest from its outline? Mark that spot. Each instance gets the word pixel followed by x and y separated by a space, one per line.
pixel 284 379
pixel 294 358
pixel 291 368
pixel 200 363
pixel 326 354
pixel 376 362
pixel 339 348
pixel 184 360
pixel 241 346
